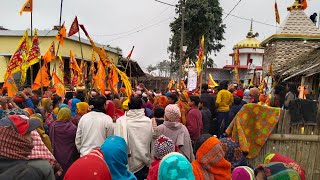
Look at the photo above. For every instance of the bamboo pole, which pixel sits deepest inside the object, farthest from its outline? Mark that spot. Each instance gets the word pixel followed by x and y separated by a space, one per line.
pixel 31 67
pixel 82 61
pixel 294 137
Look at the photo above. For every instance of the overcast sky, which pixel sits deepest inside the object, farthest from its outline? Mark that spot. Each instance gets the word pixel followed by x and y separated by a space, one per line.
pixel 143 23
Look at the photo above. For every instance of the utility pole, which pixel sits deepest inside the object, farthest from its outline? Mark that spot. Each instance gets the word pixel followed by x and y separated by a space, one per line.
pixel 181 38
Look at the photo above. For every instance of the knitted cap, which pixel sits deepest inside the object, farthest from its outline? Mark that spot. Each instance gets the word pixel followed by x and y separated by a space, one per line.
pixel 172 113
pixel 242 173
pixel 163 146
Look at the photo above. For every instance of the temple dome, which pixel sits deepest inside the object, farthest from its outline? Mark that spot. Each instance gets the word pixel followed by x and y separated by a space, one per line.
pixel 248 43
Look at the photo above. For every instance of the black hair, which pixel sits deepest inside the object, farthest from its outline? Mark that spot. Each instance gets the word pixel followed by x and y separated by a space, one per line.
pixel 195 99
pixel 205 87
pixel 237 100
pixel 35 101
pixel 223 85
pixel 81 96
pixel 292 88
pixel 203 138
pixel 260 170
pixel 56 100
pixel 135 103
pixel 174 97
pixel 158 112
pixel 145 99
pixel 204 103
pixel 69 95
pixel 98 103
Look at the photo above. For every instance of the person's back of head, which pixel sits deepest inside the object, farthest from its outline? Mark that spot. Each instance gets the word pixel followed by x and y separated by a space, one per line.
pixel 205 87
pixel 195 100
pixel 98 103
pixel 237 100
pixel 173 98
pixel 158 112
pixel 135 103
pixel 56 100
pixel 81 96
pixel 223 85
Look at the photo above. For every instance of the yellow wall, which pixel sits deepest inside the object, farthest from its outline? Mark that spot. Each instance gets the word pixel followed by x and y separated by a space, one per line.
pixel 9 44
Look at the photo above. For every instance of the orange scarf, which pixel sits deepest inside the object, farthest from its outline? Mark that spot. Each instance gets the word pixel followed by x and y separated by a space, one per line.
pixel 210 162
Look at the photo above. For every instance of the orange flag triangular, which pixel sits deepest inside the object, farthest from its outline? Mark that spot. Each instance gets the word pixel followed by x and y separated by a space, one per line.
pixel 10 85
pixel 50 54
pixel 58 85
pixel 61 34
pixel 43 77
pixel 27 7
pixel 73 62
pixel 304 4
pixel 114 80
pixel 100 79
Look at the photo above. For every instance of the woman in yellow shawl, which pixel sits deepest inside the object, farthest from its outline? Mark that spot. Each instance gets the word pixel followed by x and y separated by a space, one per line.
pixel 44 137
pixel 82 108
pixel 47 107
pixel 183 105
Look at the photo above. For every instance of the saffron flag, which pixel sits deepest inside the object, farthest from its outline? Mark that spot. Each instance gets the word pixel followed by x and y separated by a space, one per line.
pixel 42 78
pixel 187 63
pixel 114 80
pixel 50 54
pixel 199 62
pixel 61 63
pixel 27 7
pixel 129 55
pixel 74 27
pixel 10 85
pixel 101 52
pixel 16 59
pixel 100 78
pixel 304 4
pixel 73 63
pixel 212 83
pixel 61 34
pixel 125 80
pixel 58 85
pixel 34 53
pixel 277 12
pixel 23 70
pixel 236 67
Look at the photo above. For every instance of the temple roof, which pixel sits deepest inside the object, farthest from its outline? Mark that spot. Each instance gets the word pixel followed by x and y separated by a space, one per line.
pixel 250 42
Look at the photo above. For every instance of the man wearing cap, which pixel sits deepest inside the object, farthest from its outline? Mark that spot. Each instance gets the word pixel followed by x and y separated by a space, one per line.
pixel 15 147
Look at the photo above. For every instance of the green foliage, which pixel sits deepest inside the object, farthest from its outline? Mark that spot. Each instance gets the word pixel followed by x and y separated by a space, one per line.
pixel 202 17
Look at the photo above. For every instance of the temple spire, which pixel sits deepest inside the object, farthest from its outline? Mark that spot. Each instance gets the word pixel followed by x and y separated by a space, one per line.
pixel 296 6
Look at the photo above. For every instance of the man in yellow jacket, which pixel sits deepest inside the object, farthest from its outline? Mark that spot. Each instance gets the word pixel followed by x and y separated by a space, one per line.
pixel 223 103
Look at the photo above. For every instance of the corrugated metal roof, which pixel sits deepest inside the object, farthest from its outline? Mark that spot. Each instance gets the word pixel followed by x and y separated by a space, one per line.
pixel 52 33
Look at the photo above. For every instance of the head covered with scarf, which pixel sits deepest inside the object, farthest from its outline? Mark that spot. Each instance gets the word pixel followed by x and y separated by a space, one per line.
pixel 276 170
pixel 64 114
pixel 46 103
pixel 82 108
pixel 172 113
pixel 116 155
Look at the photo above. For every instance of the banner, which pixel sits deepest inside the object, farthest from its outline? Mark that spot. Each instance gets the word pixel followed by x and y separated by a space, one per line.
pixel 192 79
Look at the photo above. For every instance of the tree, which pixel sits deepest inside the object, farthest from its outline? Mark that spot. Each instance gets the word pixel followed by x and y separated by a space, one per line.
pixel 202 17
pixel 151 68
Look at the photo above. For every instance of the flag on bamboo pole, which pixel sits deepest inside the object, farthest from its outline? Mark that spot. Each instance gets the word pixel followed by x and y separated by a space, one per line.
pixel 23 70
pixel 304 4
pixel 42 78
pixel 114 80
pixel 129 55
pixel 237 64
pixel 74 27
pixel 27 7
pixel 199 62
pixel 92 68
pixel 58 85
pixel 10 85
pixel 171 83
pixel 16 59
pixel 73 63
pixel 50 54
pixel 277 12
pixel 100 78
pixel 61 63
pixel 212 83
pixel 34 54
pixel 125 80
pixel 61 34
pixel 102 54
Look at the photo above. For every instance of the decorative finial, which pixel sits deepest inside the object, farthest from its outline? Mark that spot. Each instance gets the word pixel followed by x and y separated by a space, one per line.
pixel 296 6
pixel 250 33
pixel 251 25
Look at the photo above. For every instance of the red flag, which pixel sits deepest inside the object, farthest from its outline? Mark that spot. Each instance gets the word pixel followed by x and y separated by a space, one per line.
pixel 16 59
pixel 84 29
pixel 304 4
pixel 61 34
pixel 74 27
pixel 277 12
pixel 34 52
pixel 129 55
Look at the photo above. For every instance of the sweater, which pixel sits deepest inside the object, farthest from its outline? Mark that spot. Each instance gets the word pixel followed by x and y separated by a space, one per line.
pixel 179 134
pixel 137 130
pixel 194 123
pixel 224 101
pixel 93 129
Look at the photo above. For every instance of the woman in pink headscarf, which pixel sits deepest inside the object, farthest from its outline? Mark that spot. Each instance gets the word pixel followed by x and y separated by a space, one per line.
pixel 111 110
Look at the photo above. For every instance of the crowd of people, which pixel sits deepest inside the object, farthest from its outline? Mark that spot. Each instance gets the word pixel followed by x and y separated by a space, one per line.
pixel 151 135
